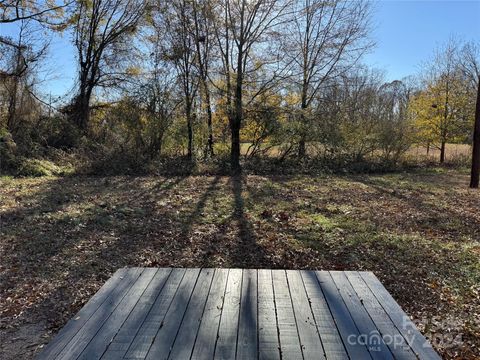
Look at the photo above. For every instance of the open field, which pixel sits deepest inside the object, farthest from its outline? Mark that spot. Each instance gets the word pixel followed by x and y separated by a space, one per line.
pixel 61 238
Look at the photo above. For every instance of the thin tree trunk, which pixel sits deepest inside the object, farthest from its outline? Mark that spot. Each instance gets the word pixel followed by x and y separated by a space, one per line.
pixel 188 111
pixel 475 174
pixel 209 124
pixel 442 152
pixel 301 148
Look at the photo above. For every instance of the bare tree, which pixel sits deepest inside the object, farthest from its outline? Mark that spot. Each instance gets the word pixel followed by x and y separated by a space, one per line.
pixel 179 47
pixel 18 65
pixel 47 12
pixel 242 27
pixel 202 32
pixel 475 173
pixel 101 31
pixel 327 38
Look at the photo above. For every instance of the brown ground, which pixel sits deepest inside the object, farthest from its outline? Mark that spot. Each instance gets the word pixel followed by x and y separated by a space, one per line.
pixel 61 238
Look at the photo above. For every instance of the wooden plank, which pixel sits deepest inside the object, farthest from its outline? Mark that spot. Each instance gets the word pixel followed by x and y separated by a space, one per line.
pixel 168 330
pixel 287 327
pixel 307 329
pixel 420 346
pixel 268 342
pixel 204 347
pixel 369 333
pixel 185 340
pixel 227 333
pixel 125 336
pixel 112 325
pixel 75 324
pixel 331 339
pixel 95 322
pixel 345 324
pixel 146 334
pixel 247 345
pixel 392 337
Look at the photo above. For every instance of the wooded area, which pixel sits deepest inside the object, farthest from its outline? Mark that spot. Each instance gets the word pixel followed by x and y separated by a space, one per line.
pixel 223 82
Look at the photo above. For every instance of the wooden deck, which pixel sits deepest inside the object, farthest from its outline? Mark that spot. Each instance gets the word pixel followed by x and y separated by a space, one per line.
pixel 150 313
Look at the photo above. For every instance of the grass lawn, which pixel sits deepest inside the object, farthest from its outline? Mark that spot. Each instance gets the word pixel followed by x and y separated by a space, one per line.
pixel 61 238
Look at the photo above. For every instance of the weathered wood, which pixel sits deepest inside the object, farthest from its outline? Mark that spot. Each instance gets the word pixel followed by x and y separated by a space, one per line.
pixel 185 339
pixel 307 329
pixel 268 342
pixel 345 324
pixel 125 336
pixel 417 341
pixel 76 323
pixel 287 327
pixel 331 339
pixel 394 340
pixel 165 337
pixel 227 334
pixel 147 313
pixel 95 322
pixel 369 333
pixel 247 328
pixel 148 330
pixel 109 329
pixel 208 331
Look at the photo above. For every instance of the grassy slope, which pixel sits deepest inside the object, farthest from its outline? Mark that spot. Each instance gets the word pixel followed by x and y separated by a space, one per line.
pixel 61 238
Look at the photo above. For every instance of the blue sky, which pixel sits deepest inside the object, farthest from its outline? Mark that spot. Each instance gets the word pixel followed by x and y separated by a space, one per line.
pixel 406 33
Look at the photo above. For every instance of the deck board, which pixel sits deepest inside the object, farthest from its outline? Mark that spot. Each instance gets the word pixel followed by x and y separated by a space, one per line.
pixel 150 313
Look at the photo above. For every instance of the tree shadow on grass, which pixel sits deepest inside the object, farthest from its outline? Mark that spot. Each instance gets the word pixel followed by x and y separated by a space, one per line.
pixel 247 251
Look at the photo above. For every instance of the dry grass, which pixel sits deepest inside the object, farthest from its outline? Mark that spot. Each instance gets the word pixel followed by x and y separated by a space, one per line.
pixel 61 238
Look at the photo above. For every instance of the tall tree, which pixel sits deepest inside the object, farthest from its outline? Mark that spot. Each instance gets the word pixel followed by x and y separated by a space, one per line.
pixel 242 27
pixel 202 31
pixel 102 29
pixel 475 173
pixel 328 37
pixel 175 19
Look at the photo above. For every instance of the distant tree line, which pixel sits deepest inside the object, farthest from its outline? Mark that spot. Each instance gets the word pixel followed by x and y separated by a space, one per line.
pixel 206 78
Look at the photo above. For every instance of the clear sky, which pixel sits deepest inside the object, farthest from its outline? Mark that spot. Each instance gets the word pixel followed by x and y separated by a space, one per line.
pixel 406 33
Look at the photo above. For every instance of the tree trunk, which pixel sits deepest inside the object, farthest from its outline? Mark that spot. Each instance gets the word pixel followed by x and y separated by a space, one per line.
pixel 442 152
pixel 236 119
pixel 81 110
pixel 188 111
pixel 301 148
pixel 209 125
pixel 475 174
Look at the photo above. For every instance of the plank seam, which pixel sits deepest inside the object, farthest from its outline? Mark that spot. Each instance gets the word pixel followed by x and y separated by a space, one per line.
pixel 333 317
pixel 221 313
pixel 294 316
pixel 368 312
pixel 203 311
pixel 125 292
pixel 183 316
pixel 394 323
pixel 313 315
pixel 239 314
pixel 146 317
pixel 126 317
pixel 165 314
pixel 276 317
